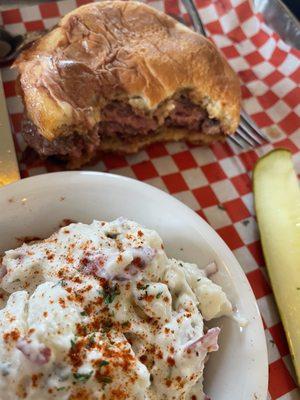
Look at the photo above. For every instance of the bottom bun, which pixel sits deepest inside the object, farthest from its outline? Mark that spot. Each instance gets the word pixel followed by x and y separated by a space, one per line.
pixel 116 145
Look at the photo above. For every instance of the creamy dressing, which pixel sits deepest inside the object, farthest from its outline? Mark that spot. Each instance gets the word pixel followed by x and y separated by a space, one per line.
pixel 100 312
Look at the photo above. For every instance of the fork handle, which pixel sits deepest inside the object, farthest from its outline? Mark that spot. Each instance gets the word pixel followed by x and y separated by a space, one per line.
pixel 193 13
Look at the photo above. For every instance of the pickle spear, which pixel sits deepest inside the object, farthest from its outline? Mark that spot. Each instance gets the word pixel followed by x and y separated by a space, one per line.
pixel 277 204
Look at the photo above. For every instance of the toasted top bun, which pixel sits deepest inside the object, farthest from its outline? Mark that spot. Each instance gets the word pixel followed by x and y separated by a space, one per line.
pixel 126 51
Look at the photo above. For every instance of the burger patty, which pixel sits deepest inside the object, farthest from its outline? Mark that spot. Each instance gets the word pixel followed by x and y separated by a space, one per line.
pixel 121 119
pixel 71 146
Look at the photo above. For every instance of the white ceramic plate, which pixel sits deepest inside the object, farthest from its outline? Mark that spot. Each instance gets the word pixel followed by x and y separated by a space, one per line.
pixel 35 207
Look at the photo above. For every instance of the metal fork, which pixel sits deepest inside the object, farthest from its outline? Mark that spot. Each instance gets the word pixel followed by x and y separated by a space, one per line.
pixel 248 132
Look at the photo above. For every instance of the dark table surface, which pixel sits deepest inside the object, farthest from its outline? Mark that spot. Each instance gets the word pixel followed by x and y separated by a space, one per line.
pixel 294 6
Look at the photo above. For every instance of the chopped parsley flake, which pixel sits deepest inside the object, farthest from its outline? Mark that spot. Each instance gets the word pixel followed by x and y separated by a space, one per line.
pixel 60 389
pixel 92 338
pixel 83 313
pixel 82 377
pixel 103 363
pixel 73 342
pixel 60 283
pixel 110 294
pixel 105 379
pixel 107 325
pixel 144 287
pixel 159 294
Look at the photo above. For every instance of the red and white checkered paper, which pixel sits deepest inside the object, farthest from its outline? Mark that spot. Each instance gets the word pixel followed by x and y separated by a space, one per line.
pixel 214 181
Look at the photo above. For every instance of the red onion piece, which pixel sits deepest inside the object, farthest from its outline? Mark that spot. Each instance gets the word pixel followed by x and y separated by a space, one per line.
pixel 208 342
pixel 92 264
pixel 37 353
pixel 96 264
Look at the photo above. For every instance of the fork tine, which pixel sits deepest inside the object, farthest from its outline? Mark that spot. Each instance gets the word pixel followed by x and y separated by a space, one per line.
pixel 247 131
pixel 241 135
pixel 252 125
pixel 250 134
pixel 194 15
pixel 235 141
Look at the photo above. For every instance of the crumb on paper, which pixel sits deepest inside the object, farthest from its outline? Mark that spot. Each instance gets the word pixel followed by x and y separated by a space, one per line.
pixel 273 132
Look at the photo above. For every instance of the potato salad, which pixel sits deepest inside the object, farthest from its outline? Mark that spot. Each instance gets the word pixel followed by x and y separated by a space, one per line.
pixel 99 312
